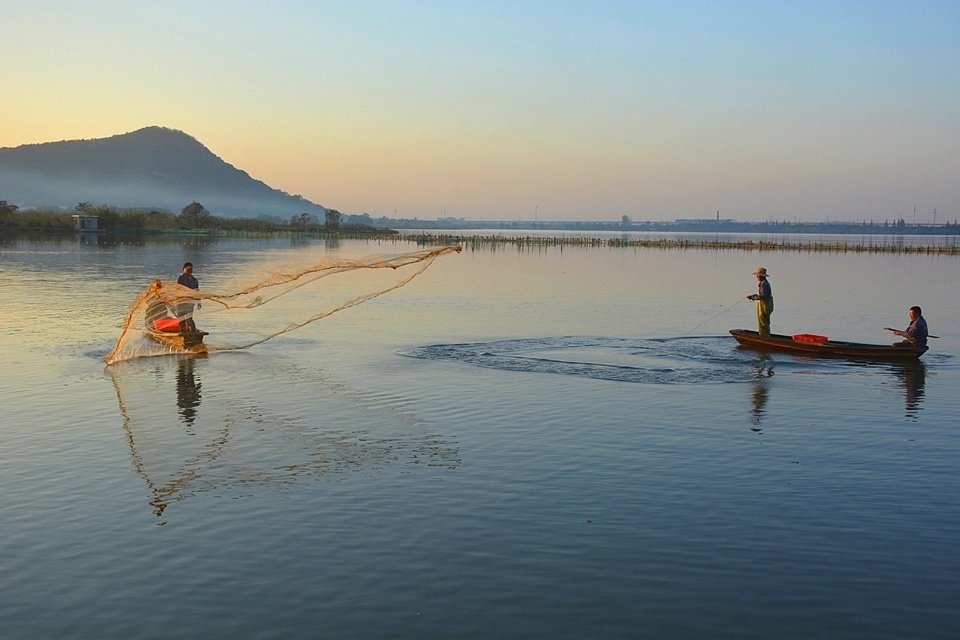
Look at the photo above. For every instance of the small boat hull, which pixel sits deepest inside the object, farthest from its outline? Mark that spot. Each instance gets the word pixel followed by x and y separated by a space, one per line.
pixel 185 341
pixel 826 348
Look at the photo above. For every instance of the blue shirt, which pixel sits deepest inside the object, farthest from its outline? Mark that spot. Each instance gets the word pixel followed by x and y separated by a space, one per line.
pixel 764 290
pixel 188 280
pixel 917 332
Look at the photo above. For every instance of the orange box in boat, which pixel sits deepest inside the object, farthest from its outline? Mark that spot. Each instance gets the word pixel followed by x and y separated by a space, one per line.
pixel 169 325
pixel 809 337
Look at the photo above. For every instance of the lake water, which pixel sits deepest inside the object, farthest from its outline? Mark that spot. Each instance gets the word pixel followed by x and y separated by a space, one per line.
pixel 547 443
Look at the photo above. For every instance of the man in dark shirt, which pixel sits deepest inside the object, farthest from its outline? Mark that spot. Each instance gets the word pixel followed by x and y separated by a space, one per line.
pixel 185 307
pixel 764 299
pixel 916 331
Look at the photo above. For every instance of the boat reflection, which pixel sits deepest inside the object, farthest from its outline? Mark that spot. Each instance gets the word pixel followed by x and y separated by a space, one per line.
pixel 910 376
pixel 247 434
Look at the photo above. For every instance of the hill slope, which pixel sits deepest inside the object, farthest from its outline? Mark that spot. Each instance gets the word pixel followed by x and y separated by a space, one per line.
pixel 153 167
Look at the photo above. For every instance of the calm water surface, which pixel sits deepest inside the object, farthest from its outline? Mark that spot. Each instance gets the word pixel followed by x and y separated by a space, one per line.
pixel 559 443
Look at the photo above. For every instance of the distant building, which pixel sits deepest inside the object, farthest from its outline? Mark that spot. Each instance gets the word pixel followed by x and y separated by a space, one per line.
pixel 703 221
pixel 85 223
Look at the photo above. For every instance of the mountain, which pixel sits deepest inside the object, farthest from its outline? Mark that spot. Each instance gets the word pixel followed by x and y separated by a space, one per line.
pixel 152 168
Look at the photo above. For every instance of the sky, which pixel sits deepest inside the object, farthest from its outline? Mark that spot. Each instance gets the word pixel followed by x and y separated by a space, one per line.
pixel 521 110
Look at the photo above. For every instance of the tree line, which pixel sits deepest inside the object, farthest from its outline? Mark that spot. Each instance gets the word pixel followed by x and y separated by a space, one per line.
pixel 194 217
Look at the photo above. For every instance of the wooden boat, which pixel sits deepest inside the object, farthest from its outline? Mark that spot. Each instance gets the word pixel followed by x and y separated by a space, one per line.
pixel 167 331
pixel 822 347
pixel 186 341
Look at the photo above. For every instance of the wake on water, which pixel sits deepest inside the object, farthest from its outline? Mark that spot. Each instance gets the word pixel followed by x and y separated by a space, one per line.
pixel 654 361
pixel 681 360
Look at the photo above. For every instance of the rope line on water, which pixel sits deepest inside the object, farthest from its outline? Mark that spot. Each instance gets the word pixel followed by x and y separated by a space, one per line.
pixel 716 316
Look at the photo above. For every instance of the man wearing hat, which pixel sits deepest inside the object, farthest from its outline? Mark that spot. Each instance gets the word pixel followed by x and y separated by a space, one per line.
pixel 764 298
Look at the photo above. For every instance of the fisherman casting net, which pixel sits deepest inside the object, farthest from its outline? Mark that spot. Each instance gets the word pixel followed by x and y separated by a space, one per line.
pixel 159 319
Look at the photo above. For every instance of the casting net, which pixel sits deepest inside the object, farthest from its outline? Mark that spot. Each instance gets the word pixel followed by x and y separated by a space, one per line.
pixel 169 318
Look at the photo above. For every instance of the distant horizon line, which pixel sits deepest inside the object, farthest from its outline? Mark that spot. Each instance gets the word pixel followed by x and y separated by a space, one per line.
pixel 675 221
pixel 452 222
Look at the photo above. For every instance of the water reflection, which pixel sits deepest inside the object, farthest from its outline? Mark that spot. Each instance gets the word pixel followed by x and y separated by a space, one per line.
pixel 188 391
pixel 912 377
pixel 762 372
pixel 304 427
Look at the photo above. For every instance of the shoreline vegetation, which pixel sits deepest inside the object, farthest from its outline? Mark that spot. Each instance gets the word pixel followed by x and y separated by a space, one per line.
pixel 118 226
pixel 494 242
pixel 194 219
pixel 532 242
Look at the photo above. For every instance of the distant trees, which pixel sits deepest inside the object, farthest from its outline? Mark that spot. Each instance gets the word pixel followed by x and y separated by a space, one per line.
pixel 332 218
pixel 301 220
pixel 165 220
pixel 363 219
pixel 7 210
pixel 129 220
pixel 116 221
pixel 12 217
pixel 195 216
pixel 133 221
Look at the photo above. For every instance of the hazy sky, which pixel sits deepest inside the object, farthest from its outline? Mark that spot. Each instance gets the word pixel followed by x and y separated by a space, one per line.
pixel 508 110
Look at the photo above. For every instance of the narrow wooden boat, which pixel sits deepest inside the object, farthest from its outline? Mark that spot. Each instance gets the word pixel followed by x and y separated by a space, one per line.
pixel 186 341
pixel 822 347
pixel 167 331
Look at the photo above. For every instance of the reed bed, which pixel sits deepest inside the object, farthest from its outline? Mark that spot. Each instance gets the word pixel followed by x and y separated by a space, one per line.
pixel 537 242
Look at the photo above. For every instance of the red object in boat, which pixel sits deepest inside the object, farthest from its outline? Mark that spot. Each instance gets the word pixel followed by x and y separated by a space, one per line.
pixel 809 337
pixel 166 324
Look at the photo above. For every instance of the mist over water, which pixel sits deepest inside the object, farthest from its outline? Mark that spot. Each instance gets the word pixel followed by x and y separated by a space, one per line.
pixel 555 443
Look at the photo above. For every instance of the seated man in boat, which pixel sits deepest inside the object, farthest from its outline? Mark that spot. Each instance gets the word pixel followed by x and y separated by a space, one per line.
pixel 916 331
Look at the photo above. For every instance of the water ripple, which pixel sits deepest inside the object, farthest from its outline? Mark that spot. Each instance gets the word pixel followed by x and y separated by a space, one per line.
pixel 693 360
pixel 684 360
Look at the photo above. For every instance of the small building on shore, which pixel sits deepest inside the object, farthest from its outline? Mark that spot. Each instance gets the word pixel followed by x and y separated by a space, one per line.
pixel 86 223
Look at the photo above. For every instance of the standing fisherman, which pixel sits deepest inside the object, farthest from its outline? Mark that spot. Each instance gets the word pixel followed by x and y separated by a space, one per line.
pixel 764 298
pixel 185 309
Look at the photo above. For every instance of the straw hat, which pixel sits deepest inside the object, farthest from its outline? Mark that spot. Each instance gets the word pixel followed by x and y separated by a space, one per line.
pixel 760 272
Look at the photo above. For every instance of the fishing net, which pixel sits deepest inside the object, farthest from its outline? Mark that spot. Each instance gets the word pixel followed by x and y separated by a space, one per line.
pixel 167 317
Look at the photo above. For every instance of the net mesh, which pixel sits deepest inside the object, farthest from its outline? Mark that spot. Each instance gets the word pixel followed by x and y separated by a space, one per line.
pixel 161 318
